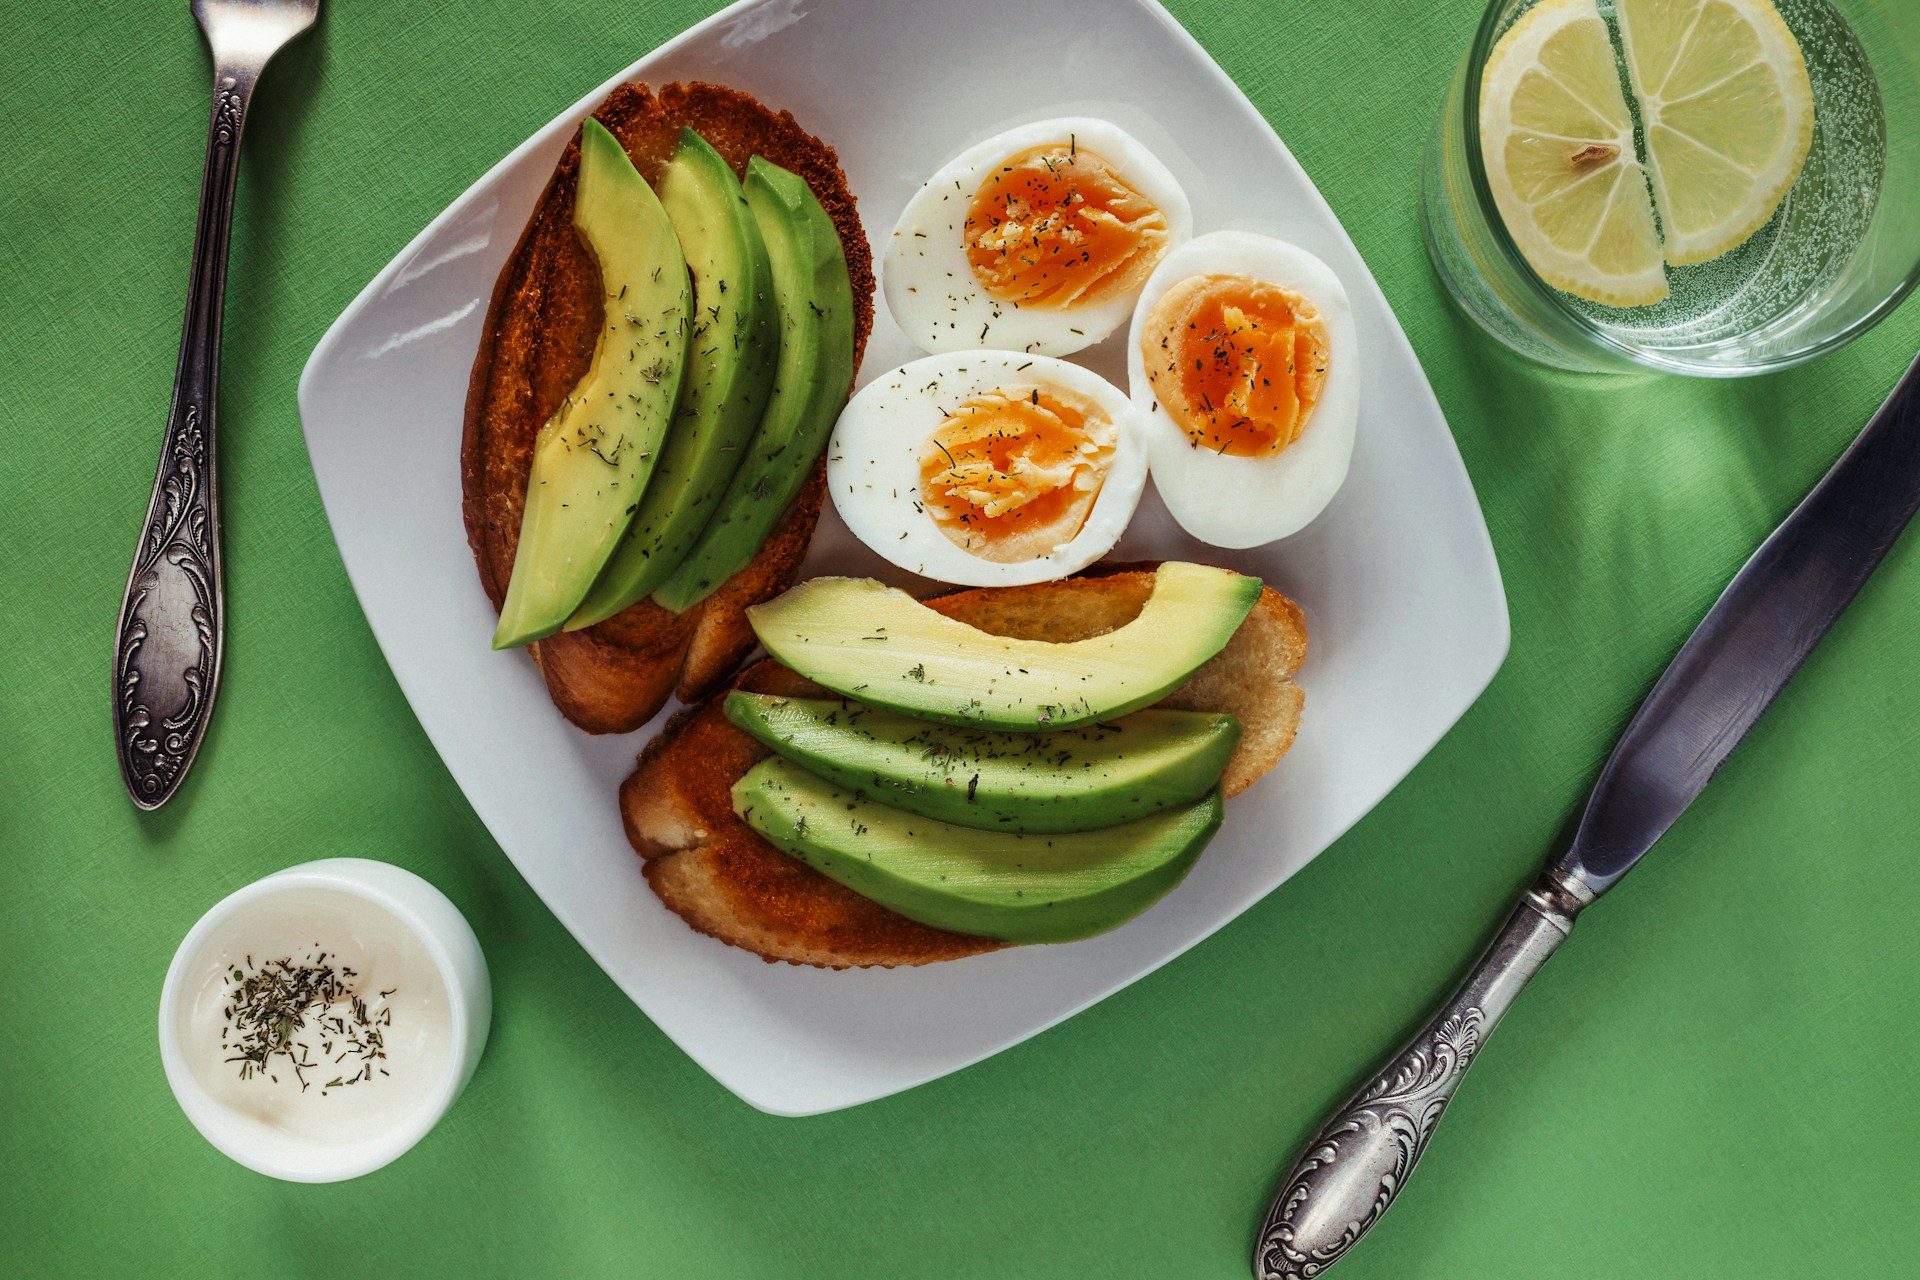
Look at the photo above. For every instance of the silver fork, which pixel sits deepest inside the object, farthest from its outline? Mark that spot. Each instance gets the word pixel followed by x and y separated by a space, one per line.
pixel 166 660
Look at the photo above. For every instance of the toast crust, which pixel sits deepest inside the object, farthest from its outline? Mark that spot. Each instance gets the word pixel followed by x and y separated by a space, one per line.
pixel 538 341
pixel 727 882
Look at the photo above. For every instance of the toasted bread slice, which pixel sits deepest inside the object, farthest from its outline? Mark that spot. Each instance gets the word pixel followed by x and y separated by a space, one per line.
pixel 727 882
pixel 546 310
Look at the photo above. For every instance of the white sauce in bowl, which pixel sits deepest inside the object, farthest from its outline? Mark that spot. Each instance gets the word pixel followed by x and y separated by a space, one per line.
pixel 317 1023
pixel 347 1070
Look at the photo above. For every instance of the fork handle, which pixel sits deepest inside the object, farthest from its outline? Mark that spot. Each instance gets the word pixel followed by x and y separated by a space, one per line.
pixel 168 644
pixel 1350 1171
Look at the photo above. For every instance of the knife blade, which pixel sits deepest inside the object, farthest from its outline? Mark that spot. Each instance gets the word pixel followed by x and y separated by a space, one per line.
pixel 1751 642
pixel 1763 626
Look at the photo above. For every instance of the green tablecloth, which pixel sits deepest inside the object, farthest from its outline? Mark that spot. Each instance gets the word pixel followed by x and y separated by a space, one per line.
pixel 1715 1078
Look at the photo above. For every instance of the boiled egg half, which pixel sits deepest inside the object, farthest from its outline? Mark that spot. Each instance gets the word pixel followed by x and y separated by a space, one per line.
pixel 1036 240
pixel 1243 367
pixel 988 468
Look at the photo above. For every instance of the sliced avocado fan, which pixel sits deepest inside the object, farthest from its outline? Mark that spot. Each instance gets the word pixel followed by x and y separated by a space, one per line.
pixel 731 354
pixel 814 298
pixel 593 458
pixel 1020 888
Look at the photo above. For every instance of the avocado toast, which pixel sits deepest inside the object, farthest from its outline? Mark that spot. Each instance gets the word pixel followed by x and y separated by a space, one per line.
pixel 727 881
pixel 540 340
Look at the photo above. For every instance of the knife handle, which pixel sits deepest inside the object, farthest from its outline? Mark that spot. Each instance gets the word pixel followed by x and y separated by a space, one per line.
pixel 1349 1172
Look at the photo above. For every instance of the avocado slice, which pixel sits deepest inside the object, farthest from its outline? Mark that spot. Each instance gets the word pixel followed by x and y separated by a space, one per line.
pixel 814 298
pixel 1020 888
pixel 730 364
pixel 593 458
pixel 871 642
pixel 1066 780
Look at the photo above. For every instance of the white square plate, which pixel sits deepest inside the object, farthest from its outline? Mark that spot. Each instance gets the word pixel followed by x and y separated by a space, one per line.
pixel 1398 580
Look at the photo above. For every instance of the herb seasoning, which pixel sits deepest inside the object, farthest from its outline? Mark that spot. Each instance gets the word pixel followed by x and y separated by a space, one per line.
pixel 304 1017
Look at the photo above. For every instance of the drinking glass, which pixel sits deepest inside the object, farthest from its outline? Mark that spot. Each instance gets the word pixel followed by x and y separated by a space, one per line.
pixel 1839 253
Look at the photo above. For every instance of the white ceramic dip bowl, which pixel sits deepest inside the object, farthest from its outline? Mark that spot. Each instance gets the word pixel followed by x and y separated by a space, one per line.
pixel 379 1059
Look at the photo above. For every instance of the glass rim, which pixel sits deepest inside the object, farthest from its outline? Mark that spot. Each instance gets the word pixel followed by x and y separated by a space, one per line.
pixel 1485 37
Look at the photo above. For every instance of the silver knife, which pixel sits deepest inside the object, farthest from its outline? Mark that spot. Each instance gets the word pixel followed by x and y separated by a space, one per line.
pixel 1748 646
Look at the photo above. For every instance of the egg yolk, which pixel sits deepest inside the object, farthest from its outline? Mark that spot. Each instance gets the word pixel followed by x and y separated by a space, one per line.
pixel 1012 474
pixel 1237 363
pixel 1055 225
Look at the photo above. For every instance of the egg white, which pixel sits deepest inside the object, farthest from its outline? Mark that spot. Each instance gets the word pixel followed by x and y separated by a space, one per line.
pixel 930 287
pixel 873 464
pixel 1244 502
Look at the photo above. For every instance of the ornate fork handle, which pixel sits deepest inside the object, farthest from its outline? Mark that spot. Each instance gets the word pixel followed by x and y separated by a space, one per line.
pixel 1350 1171
pixel 166 662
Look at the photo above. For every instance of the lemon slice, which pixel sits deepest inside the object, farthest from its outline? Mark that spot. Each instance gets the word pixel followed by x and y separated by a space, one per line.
pixel 1558 145
pixel 1728 114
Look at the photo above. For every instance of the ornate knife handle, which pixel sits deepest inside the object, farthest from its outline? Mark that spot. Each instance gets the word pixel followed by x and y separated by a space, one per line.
pixel 1350 1171
pixel 166 661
